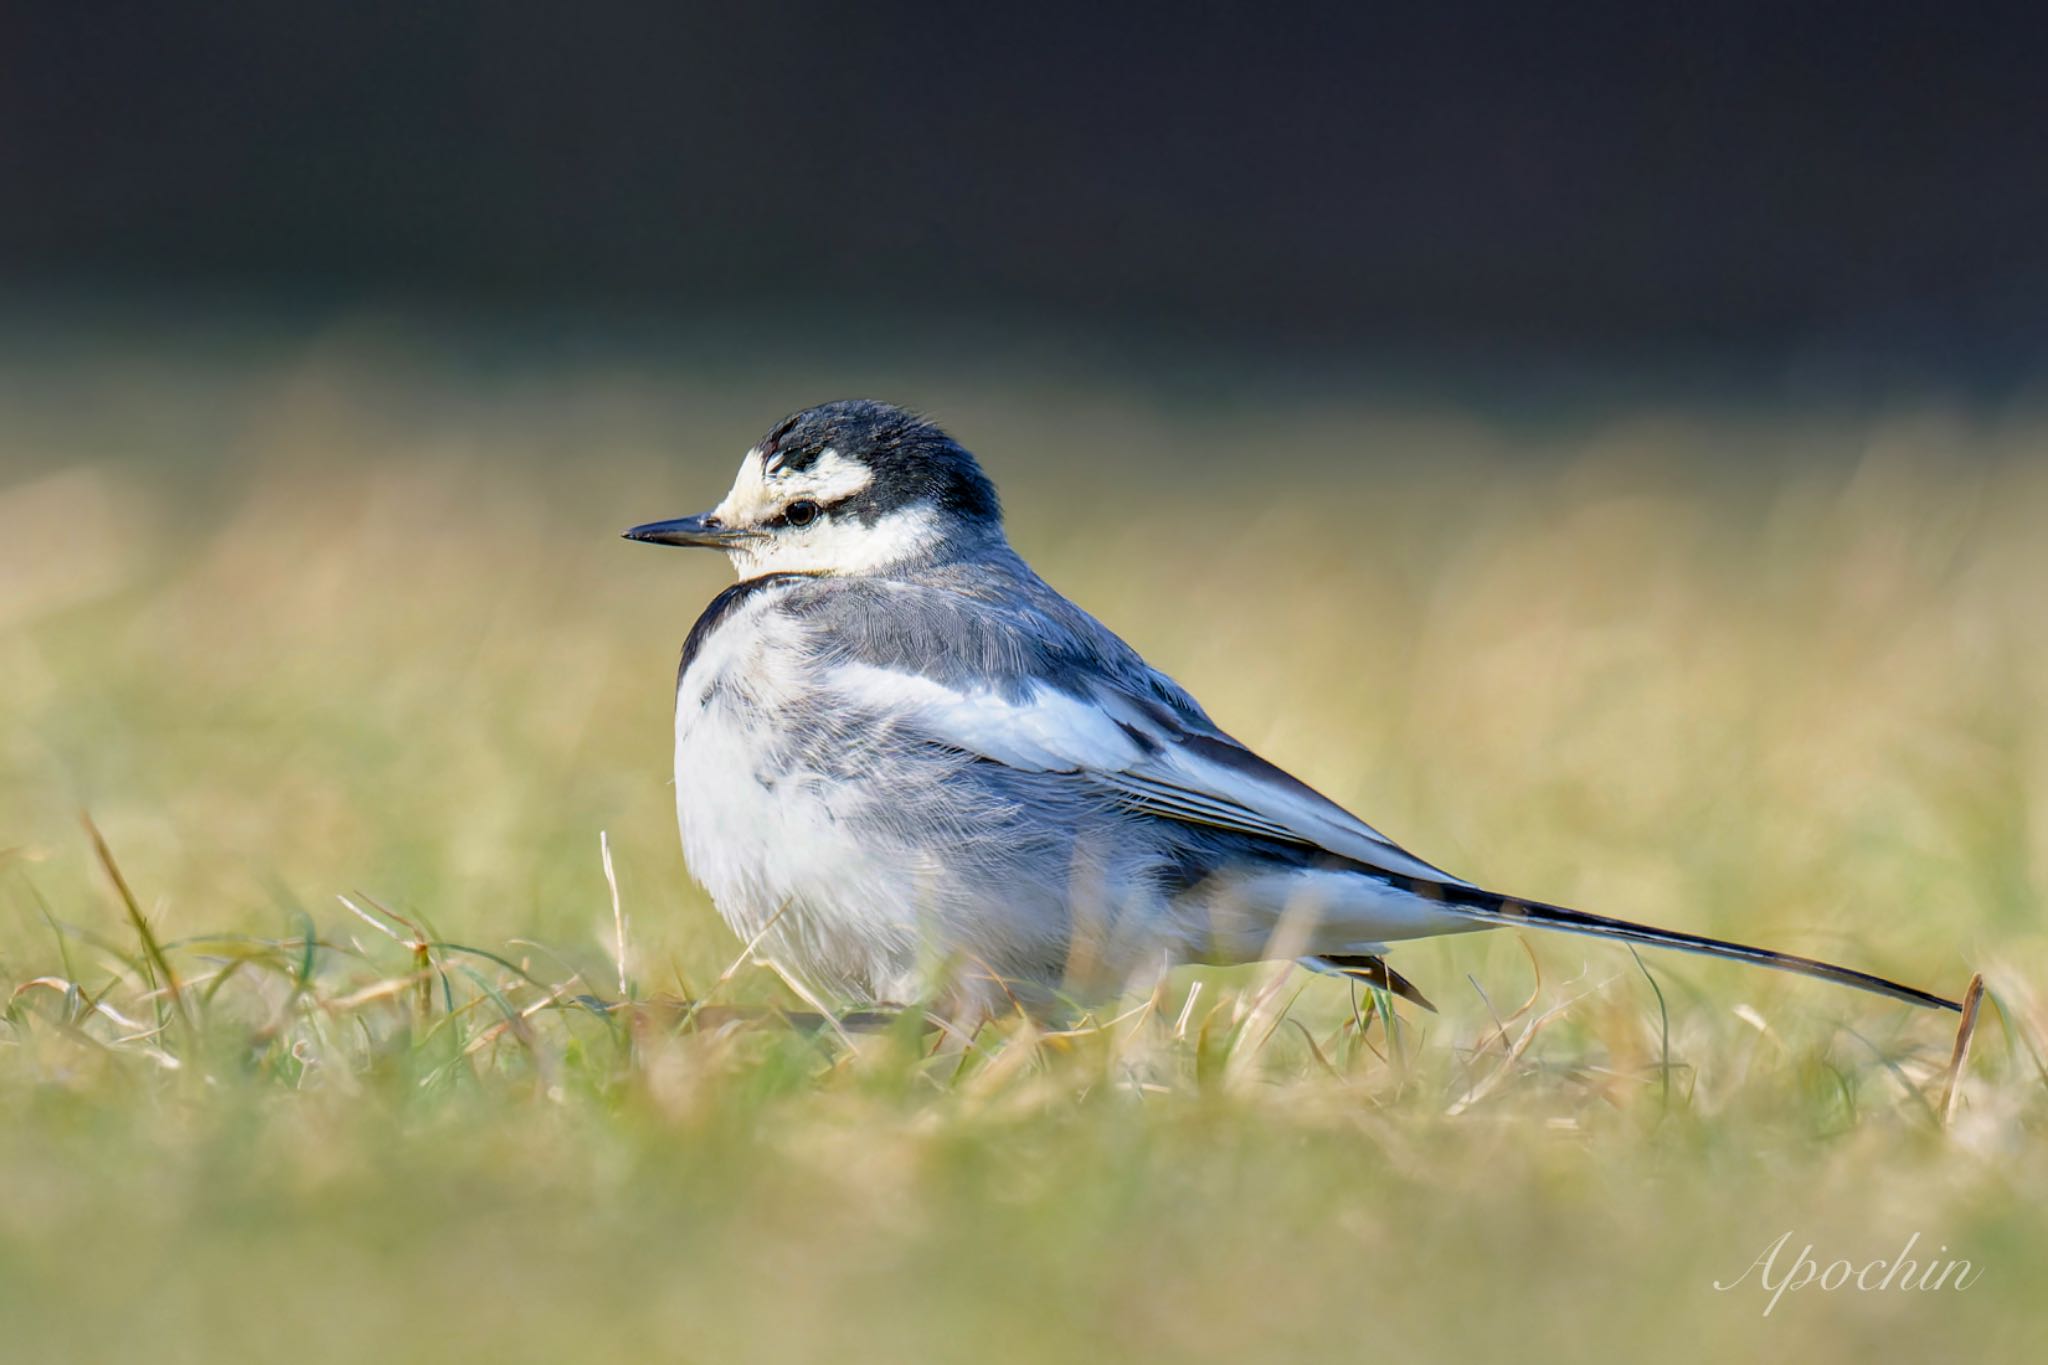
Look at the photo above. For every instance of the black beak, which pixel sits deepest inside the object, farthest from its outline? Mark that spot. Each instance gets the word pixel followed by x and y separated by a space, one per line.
pixel 704 530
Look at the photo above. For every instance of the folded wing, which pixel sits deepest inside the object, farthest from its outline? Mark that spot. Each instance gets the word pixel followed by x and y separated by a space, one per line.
pixel 1151 758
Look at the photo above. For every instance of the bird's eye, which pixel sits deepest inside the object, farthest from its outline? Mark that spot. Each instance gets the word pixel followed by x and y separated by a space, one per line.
pixel 802 512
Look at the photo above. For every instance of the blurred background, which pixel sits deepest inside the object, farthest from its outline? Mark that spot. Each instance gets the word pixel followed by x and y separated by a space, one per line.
pixel 1853 184
pixel 1605 448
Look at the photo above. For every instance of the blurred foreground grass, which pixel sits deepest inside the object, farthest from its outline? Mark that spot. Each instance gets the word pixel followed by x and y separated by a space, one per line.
pixel 339 616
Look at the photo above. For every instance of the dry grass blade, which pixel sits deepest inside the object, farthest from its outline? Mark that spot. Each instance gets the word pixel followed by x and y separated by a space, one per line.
pixel 418 945
pixel 803 992
pixel 1494 1077
pixel 1314 1051
pixel 1500 1027
pixel 371 994
pixel 1966 1030
pixel 379 925
pixel 611 879
pixel 745 956
pixel 1663 1026
pixel 1016 1054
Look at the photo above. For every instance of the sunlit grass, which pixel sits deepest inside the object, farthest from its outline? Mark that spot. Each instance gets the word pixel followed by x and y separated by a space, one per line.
pixel 335 643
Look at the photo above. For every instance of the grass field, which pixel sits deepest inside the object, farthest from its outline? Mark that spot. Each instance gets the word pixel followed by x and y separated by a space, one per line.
pixel 304 617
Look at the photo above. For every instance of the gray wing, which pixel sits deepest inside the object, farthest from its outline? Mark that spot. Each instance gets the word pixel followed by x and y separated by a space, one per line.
pixel 1151 757
pixel 986 659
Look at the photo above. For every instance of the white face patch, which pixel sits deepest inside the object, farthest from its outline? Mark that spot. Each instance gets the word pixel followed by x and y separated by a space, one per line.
pixel 830 477
pixel 831 544
pixel 759 492
pixel 840 545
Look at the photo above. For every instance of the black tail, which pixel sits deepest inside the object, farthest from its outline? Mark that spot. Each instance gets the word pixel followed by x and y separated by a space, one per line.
pixel 1494 908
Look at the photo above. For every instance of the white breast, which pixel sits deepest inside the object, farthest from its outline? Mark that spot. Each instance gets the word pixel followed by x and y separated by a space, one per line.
pixel 768 842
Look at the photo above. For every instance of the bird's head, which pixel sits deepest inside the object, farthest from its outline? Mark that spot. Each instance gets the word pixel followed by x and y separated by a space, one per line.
pixel 854 487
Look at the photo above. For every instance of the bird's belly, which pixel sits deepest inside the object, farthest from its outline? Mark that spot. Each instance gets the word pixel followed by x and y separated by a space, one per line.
pixel 778 851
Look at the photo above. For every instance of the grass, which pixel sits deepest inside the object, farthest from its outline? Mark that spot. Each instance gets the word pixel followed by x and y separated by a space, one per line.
pixel 372 1049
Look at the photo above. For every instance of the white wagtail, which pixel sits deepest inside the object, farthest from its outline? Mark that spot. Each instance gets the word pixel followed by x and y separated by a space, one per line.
pixel 912 771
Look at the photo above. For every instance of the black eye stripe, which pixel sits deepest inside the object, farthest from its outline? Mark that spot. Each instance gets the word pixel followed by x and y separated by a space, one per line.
pixel 790 516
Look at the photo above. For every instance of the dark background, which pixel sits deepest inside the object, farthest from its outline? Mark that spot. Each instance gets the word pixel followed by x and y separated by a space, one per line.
pixel 1602 178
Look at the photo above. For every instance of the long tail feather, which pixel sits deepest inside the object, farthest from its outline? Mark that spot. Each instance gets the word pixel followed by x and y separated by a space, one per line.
pixel 1495 908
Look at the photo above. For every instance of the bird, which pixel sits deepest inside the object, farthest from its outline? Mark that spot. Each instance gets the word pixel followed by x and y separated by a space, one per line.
pixel 909 770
